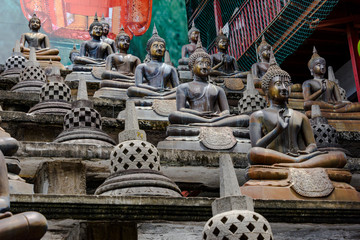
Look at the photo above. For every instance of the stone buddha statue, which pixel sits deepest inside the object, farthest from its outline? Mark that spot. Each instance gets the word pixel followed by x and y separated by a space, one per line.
pixel 40 42
pixel 94 51
pixel 155 79
pixel 104 37
pixel 281 136
pixel 119 70
pixel 325 93
pixel 207 103
pixel 259 69
pixel 188 49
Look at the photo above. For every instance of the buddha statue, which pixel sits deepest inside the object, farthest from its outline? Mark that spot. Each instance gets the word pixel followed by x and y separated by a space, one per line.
pixel 72 55
pixel 208 105
pixel 259 69
pixel 94 51
pixel 188 49
pixel 119 70
pixel 40 42
pixel 325 93
pixel 283 138
pixel 155 79
pixel 104 37
pixel 27 225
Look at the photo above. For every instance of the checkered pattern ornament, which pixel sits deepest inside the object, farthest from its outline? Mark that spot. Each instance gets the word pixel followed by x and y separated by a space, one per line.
pixel 237 224
pixel 325 134
pixel 250 103
pixel 134 154
pixel 15 62
pixel 82 117
pixel 55 91
pixel 33 73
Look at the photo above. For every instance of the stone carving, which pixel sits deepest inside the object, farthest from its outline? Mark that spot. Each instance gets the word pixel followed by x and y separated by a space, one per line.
pixel 237 224
pixel 312 182
pixel 251 100
pixel 135 170
pixel 15 64
pixel 164 107
pixel 220 138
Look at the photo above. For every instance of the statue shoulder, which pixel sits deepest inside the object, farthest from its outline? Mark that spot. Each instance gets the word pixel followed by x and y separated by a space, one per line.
pixel 308 82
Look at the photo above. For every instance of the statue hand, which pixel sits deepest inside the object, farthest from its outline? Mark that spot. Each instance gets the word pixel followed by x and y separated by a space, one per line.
pixel 5 215
pixel 283 121
pixel 303 152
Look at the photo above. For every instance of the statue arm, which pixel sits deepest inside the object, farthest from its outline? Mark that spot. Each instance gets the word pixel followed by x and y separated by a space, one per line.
pixel 337 93
pixel 223 103
pixel 308 135
pixel 219 64
pixel 183 51
pixel 139 79
pixel 109 62
pixel 174 78
pixel 46 43
pixel 236 67
pixel 83 49
pixel 307 92
pixel 22 40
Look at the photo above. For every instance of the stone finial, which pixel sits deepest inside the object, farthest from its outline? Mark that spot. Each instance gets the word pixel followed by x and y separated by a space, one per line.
pixel 331 75
pixel 155 32
pixel 82 90
pixel 17 51
pixel 229 185
pixel 32 59
pixel 131 131
pixel 315 111
pixel 96 19
pixel 250 87
pixel 167 59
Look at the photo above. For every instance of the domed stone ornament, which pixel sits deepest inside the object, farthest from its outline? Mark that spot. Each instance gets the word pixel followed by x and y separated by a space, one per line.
pixel 55 95
pixel 82 124
pixel 135 171
pixel 237 224
pixel 251 100
pixel 15 64
pixel 32 78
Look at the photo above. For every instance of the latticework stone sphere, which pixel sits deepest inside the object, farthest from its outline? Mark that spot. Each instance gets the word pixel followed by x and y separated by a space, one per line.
pixel 251 103
pixel 55 91
pixel 33 73
pixel 325 135
pixel 15 62
pixel 239 225
pixel 82 117
pixel 134 154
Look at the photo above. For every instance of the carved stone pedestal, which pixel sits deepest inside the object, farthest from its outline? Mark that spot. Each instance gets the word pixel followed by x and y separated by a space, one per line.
pixel 267 182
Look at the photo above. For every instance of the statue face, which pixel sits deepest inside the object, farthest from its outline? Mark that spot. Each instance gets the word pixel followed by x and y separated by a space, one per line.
pixel 97 31
pixel 35 24
pixel 194 36
pixel 123 42
pixel 319 68
pixel 279 88
pixel 106 28
pixel 202 66
pixel 157 49
pixel 265 54
pixel 223 44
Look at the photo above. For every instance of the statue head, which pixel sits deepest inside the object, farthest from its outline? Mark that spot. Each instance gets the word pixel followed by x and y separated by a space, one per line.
pixel 317 64
pixel 193 33
pixel 222 41
pixel 264 49
pixel 122 40
pixel 105 25
pixel 276 82
pixel 34 22
pixel 200 61
pixel 96 28
pixel 73 53
pixel 156 45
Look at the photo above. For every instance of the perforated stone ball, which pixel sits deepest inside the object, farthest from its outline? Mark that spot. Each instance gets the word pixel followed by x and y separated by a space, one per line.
pixel 33 73
pixel 15 62
pixel 251 103
pixel 237 224
pixel 55 91
pixel 325 135
pixel 134 154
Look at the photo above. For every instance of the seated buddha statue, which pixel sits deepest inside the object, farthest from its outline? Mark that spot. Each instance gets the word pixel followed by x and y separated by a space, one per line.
pixel 188 49
pixel 259 69
pixel 39 41
pixel 207 103
pixel 325 93
pixel 155 79
pixel 222 63
pixel 94 51
pixel 104 37
pixel 281 136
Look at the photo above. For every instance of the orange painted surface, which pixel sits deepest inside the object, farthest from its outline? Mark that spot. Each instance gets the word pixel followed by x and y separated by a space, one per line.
pixel 71 18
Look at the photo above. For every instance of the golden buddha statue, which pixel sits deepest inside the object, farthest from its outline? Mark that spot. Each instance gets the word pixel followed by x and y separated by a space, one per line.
pixel 208 105
pixel 155 79
pixel 94 51
pixel 40 42
pixel 325 93
pixel 281 136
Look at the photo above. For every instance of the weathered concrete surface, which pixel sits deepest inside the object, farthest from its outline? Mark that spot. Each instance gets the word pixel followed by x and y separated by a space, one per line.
pixel 65 177
pixel 170 231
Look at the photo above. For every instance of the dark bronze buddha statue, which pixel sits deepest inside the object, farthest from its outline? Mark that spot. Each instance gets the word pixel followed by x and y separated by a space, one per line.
pixel 155 79
pixel 104 37
pixel 188 49
pixel 259 69
pixel 281 136
pixel 208 105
